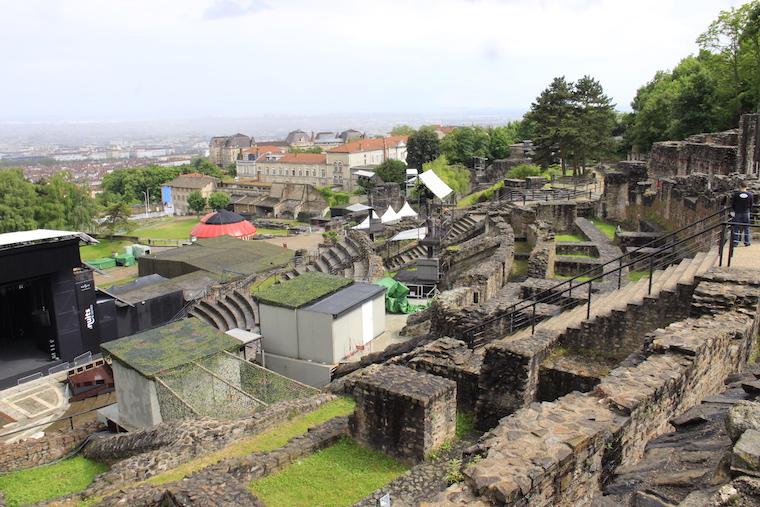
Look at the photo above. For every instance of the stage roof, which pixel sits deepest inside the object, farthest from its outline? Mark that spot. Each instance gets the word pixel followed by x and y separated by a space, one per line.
pixel 340 302
pixel 167 347
pixel 418 234
pixel 435 184
pixel 227 255
pixel 19 238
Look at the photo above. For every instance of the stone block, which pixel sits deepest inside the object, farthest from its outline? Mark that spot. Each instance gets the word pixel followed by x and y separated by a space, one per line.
pixel 741 417
pixel 403 412
pixel 746 454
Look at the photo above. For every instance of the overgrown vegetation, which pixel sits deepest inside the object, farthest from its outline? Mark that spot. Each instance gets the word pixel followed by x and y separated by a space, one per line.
pixel 569 237
pixel 302 289
pixel 519 269
pixel 34 485
pixel 482 196
pixel 606 227
pixel 522 171
pixel 334 477
pixel 333 197
pixel 263 442
pixel 465 424
pixel 455 176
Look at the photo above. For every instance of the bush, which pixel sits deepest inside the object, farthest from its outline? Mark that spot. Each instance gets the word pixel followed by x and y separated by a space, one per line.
pixel 522 171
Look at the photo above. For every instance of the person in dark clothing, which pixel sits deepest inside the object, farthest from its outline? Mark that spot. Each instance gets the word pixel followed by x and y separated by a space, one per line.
pixel 741 208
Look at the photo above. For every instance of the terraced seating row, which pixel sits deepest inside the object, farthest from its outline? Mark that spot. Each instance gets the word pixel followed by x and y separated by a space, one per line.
pixel 233 310
pixel 343 258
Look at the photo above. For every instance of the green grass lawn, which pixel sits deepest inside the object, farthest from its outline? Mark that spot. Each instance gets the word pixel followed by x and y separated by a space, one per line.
pixel 171 228
pixel 273 232
pixel 266 441
pixel 103 249
pixel 49 481
pixel 607 228
pixel 522 247
pixel 337 476
pixel 519 268
pixel 569 237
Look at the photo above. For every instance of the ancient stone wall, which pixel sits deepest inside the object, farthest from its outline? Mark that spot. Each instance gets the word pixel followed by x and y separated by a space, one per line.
pixel 543 254
pixel 559 453
pixel 375 268
pixel 672 158
pixel 622 187
pixel 403 412
pixel 749 144
pixel 141 454
pixel 54 445
pixel 489 276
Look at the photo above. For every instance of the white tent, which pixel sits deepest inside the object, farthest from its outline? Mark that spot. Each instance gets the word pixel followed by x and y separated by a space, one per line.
pixel 435 184
pixel 406 211
pixel 358 207
pixel 417 234
pixel 365 222
pixel 389 216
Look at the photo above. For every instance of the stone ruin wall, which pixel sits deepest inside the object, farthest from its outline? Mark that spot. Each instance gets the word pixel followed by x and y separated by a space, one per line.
pixel 543 252
pixel 375 267
pixel 679 158
pixel 749 144
pixel 559 453
pixel 54 445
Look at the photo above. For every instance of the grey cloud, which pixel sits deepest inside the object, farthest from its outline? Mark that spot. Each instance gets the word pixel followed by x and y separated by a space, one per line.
pixel 234 8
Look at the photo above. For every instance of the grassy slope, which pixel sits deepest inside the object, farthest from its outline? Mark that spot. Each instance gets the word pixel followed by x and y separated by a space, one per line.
pixel 569 237
pixel 471 199
pixel 103 249
pixel 337 476
pixel 42 483
pixel 266 441
pixel 173 228
pixel 607 228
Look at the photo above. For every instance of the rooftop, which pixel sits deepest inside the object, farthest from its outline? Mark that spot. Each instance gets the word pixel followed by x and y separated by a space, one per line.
pixel 20 238
pixel 225 254
pixel 192 180
pixel 344 300
pixel 169 346
pixel 295 158
pixel 361 145
pixel 303 289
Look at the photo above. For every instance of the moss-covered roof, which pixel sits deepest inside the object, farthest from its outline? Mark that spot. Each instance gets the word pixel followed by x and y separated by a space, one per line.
pixel 302 289
pixel 169 346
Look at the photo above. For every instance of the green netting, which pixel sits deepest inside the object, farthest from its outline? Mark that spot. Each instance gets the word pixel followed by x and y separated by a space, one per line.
pixel 224 387
pixel 124 260
pixel 102 263
pixel 396 297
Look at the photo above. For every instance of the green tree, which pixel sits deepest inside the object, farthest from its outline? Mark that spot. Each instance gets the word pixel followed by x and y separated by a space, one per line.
pixel 17 201
pixel 455 176
pixel 216 201
pixel 499 140
pixel 63 204
pixel 392 170
pixel 117 217
pixel 591 124
pixel 550 115
pixel 464 143
pixel 522 171
pixel 231 170
pixel 203 166
pixel 402 130
pixel 196 201
pixel 312 149
pixel 422 146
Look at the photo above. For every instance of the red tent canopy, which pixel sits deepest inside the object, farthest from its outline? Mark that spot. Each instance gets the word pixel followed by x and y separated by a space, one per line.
pixel 223 223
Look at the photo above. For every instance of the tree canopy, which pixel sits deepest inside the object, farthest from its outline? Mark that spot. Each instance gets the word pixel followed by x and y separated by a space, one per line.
pixel 392 170
pixel 422 146
pixel 456 176
pixel 196 201
pixel 402 130
pixel 572 123
pixel 706 92
pixel 218 200
pixel 492 143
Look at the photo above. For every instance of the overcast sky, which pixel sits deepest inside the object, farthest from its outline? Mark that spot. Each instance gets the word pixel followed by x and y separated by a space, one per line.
pixel 168 59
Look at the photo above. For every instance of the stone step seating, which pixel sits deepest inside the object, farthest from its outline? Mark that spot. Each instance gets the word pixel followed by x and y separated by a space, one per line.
pixel 406 258
pixel 235 309
pixel 462 228
pixel 343 258
pixel 632 294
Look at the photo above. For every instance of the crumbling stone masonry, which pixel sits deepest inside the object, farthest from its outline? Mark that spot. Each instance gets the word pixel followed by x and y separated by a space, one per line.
pixel 749 144
pixel 403 412
pixel 560 453
pixel 543 254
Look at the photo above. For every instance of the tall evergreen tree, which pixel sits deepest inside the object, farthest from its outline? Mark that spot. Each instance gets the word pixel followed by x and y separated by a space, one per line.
pixel 422 146
pixel 549 115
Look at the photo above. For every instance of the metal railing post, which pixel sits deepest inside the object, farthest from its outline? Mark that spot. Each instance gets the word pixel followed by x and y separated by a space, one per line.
pixel 731 244
pixel 588 305
pixel 721 245
pixel 511 322
pixel 570 291
pixel 620 273
pixel 651 270
pixel 533 320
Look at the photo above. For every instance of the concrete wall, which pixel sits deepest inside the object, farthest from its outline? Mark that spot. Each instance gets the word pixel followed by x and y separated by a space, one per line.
pixel 136 396
pixel 279 330
pixel 307 372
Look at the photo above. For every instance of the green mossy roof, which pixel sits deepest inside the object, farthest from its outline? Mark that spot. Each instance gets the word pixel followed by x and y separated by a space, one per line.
pixel 169 346
pixel 302 289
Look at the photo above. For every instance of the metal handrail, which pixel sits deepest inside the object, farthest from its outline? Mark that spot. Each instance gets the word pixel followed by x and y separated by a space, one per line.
pixel 552 293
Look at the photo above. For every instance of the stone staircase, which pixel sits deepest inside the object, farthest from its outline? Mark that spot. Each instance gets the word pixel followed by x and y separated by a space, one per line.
pixel 235 309
pixel 463 229
pixel 342 259
pixel 634 293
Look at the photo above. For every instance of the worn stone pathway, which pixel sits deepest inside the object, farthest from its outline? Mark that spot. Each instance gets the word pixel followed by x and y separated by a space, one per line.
pixel 746 257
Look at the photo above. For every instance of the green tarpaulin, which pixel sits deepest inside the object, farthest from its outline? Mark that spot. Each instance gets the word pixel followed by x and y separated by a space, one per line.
pixel 124 260
pixel 102 263
pixel 395 297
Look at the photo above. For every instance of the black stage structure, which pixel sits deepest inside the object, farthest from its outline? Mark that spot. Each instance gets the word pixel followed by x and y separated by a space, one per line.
pixel 47 303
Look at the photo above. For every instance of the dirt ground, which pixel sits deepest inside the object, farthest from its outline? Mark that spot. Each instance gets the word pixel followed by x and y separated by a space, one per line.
pixel 309 241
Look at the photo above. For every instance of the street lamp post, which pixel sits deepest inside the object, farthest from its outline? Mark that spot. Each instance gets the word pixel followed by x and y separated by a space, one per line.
pixel 146 193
